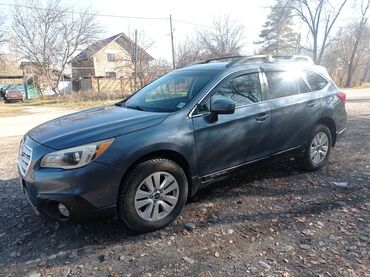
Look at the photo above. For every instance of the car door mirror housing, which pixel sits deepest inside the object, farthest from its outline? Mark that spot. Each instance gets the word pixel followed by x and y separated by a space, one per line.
pixel 222 106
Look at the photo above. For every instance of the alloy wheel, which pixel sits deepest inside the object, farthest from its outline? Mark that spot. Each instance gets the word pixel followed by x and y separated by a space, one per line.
pixel 319 148
pixel 156 196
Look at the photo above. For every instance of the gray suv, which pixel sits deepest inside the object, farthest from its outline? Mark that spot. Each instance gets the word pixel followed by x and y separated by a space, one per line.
pixel 141 158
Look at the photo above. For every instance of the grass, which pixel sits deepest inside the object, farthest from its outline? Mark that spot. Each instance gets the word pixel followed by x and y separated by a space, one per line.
pixel 363 85
pixel 11 109
pixel 78 105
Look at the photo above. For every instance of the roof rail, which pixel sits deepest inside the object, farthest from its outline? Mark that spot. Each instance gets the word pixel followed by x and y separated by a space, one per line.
pixel 253 58
pixel 270 59
pixel 213 59
pixel 293 58
pixel 237 60
pixel 222 58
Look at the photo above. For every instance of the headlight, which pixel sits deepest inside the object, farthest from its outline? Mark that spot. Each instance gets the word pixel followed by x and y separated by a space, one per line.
pixel 77 156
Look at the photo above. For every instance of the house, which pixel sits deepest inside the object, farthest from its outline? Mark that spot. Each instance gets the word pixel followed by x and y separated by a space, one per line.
pixel 34 76
pixel 110 58
pixel 10 73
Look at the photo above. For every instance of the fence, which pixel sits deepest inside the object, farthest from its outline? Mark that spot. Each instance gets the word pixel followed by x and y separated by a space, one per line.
pixel 99 84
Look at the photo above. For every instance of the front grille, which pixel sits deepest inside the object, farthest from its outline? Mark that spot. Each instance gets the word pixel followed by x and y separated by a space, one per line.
pixel 25 155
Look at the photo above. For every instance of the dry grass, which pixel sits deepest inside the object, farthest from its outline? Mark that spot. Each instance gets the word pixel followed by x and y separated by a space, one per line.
pixel 363 85
pixel 79 100
pixel 11 109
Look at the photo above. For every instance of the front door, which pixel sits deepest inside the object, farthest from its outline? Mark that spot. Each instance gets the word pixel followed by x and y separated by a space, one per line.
pixel 233 139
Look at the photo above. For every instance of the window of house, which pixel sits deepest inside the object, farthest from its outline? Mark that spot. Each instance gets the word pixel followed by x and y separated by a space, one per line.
pixel 111 57
pixel 111 74
pixel 28 70
pixel 281 84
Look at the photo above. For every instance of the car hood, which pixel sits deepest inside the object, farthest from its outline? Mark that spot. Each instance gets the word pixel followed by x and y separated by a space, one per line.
pixel 93 125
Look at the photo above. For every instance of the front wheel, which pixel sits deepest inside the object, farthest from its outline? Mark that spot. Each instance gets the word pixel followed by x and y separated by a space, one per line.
pixel 152 195
pixel 317 150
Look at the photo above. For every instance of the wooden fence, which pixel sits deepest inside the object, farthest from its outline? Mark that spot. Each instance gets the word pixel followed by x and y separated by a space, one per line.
pixel 99 84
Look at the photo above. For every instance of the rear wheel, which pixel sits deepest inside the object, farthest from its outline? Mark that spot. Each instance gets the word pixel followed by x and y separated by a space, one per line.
pixel 317 150
pixel 152 195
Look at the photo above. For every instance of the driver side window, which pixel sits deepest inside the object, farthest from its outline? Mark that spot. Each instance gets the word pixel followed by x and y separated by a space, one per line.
pixel 243 90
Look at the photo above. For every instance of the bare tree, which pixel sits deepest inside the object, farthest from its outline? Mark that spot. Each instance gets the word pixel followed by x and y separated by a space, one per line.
pixel 338 59
pixel 137 60
pixel 225 39
pixel 2 31
pixel 2 38
pixel 277 35
pixel 189 52
pixel 48 35
pixel 319 16
pixel 157 68
pixel 358 39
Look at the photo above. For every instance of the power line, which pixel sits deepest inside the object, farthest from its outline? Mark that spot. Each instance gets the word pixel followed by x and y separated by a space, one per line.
pixel 86 13
pixel 110 15
pixel 191 23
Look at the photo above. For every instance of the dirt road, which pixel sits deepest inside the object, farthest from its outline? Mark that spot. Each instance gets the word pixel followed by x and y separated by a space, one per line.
pixel 273 221
pixel 35 115
pixel 354 94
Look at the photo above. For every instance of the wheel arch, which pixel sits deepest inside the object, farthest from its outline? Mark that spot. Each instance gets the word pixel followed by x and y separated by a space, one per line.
pixel 172 155
pixel 329 122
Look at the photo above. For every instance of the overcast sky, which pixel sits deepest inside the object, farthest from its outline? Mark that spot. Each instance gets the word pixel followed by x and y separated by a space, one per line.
pixel 250 13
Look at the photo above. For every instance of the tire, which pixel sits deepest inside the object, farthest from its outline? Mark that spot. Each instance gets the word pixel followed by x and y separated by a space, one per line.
pixel 135 191
pixel 315 159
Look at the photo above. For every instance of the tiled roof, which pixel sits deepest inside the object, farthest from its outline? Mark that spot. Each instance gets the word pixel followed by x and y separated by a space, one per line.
pixel 120 38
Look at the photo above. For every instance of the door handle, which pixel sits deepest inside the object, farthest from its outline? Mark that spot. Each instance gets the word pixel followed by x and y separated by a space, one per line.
pixel 262 116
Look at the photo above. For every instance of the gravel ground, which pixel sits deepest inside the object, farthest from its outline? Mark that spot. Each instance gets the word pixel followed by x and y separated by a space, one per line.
pixel 24 118
pixel 273 221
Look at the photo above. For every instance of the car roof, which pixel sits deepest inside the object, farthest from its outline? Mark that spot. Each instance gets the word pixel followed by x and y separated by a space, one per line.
pixel 227 67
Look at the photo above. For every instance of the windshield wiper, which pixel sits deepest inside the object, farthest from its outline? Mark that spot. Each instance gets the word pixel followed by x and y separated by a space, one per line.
pixel 120 104
pixel 135 107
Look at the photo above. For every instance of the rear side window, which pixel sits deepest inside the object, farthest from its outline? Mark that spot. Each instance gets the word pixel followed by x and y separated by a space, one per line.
pixel 316 81
pixel 244 89
pixel 281 84
pixel 303 87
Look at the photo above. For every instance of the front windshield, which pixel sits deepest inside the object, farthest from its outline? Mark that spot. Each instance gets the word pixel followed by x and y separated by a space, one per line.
pixel 171 92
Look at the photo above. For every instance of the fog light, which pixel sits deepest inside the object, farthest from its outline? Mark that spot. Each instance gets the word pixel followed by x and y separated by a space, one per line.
pixel 63 210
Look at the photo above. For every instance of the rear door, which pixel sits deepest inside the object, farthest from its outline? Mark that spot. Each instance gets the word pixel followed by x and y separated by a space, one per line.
pixel 236 138
pixel 294 109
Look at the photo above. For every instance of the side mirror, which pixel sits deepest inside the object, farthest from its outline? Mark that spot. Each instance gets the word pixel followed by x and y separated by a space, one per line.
pixel 221 106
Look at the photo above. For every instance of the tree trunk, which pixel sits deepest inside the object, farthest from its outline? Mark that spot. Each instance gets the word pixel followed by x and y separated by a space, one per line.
pixel 366 71
pixel 349 75
pixel 314 50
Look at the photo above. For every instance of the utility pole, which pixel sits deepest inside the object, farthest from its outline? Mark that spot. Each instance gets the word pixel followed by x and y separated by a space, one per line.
pixel 135 61
pixel 173 48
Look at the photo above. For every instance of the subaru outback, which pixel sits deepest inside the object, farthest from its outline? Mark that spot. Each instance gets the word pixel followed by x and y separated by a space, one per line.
pixel 140 159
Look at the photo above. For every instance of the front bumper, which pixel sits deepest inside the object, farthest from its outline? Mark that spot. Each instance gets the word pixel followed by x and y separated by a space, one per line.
pixel 89 193
pixel 46 206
